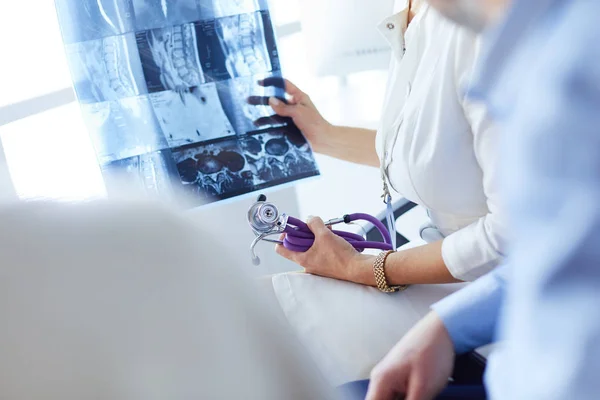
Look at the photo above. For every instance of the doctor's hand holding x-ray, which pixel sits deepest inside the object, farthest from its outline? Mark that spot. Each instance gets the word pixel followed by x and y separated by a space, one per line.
pixel 331 257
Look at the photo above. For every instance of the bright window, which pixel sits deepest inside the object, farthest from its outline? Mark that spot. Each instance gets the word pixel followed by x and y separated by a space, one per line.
pixel 50 155
pixel 33 59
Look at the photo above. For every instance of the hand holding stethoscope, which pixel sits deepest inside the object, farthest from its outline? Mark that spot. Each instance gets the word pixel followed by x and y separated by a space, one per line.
pixel 266 220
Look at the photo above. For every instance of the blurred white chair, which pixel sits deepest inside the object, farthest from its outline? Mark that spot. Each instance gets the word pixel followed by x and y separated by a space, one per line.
pixel 126 300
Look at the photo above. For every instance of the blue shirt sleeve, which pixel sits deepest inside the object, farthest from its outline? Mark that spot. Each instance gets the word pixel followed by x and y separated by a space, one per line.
pixel 471 315
pixel 550 97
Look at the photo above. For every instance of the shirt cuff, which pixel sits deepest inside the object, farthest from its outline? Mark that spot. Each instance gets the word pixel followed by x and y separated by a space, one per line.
pixel 470 315
pixel 469 253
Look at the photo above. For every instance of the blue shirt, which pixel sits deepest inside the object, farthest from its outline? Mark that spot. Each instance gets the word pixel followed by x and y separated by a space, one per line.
pixel 540 76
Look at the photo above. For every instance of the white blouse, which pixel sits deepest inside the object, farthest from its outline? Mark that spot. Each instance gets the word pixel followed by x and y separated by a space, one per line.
pixel 438 149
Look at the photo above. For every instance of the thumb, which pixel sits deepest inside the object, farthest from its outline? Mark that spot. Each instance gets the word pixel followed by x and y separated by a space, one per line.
pixel 282 109
pixel 317 226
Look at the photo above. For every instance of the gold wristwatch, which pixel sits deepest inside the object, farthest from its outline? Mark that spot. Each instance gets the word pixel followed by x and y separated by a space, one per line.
pixel 379 271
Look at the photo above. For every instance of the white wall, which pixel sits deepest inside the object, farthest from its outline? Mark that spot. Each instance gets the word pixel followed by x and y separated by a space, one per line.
pixel 7 190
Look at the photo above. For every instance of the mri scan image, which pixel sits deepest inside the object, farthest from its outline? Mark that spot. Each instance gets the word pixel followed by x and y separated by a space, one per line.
pixel 210 9
pixel 150 14
pixel 280 155
pixel 237 46
pixel 214 171
pixel 169 58
pixel 234 167
pixel 153 173
pixel 234 94
pixel 123 129
pixel 192 116
pixel 107 69
pixel 85 20
pixel 174 94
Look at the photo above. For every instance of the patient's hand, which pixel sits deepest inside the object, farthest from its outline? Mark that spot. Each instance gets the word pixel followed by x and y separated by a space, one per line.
pixel 418 367
pixel 330 255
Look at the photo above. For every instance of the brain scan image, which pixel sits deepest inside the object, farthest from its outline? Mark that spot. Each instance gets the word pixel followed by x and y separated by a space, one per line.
pixel 192 116
pixel 106 69
pixel 122 129
pixel 85 20
pixel 169 58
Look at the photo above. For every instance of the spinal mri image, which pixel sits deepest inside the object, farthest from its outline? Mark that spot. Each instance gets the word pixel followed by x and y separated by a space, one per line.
pixel 227 168
pixel 244 116
pixel 124 128
pixel 210 9
pixel 154 173
pixel 195 115
pixel 169 58
pixel 150 14
pixel 170 94
pixel 85 20
pixel 106 69
pixel 237 46
pixel 214 171
pixel 280 155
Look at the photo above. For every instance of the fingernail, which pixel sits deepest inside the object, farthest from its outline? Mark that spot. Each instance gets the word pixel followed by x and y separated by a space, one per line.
pixel 274 101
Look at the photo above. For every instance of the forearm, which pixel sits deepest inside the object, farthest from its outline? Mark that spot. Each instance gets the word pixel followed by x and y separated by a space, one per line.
pixel 355 145
pixel 419 265
pixel 471 314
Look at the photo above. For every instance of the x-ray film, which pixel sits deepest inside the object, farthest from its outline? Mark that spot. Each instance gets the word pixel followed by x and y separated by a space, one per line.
pixel 111 124
pixel 150 14
pixel 85 20
pixel 170 58
pixel 175 95
pixel 106 69
pixel 230 167
pixel 210 9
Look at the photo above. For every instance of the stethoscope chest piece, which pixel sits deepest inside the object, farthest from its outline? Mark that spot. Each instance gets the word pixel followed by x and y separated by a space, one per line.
pixel 265 220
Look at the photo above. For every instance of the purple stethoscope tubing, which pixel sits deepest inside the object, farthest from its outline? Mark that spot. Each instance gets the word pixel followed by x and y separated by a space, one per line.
pixel 299 237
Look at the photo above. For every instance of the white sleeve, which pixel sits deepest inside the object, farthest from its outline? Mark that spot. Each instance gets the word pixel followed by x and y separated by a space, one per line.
pixel 476 249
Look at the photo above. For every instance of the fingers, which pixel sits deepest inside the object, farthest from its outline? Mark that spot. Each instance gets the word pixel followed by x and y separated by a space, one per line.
pixel 272 120
pixel 281 83
pixel 381 389
pixel 417 389
pixel 273 81
pixel 293 90
pixel 262 100
pixel 282 251
pixel 317 226
pixel 282 109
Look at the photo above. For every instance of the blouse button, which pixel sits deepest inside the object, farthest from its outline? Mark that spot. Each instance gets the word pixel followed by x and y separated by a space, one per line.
pixel 390 26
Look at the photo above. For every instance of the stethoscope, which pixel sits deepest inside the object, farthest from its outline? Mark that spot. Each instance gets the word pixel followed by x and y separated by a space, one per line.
pixel 266 220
